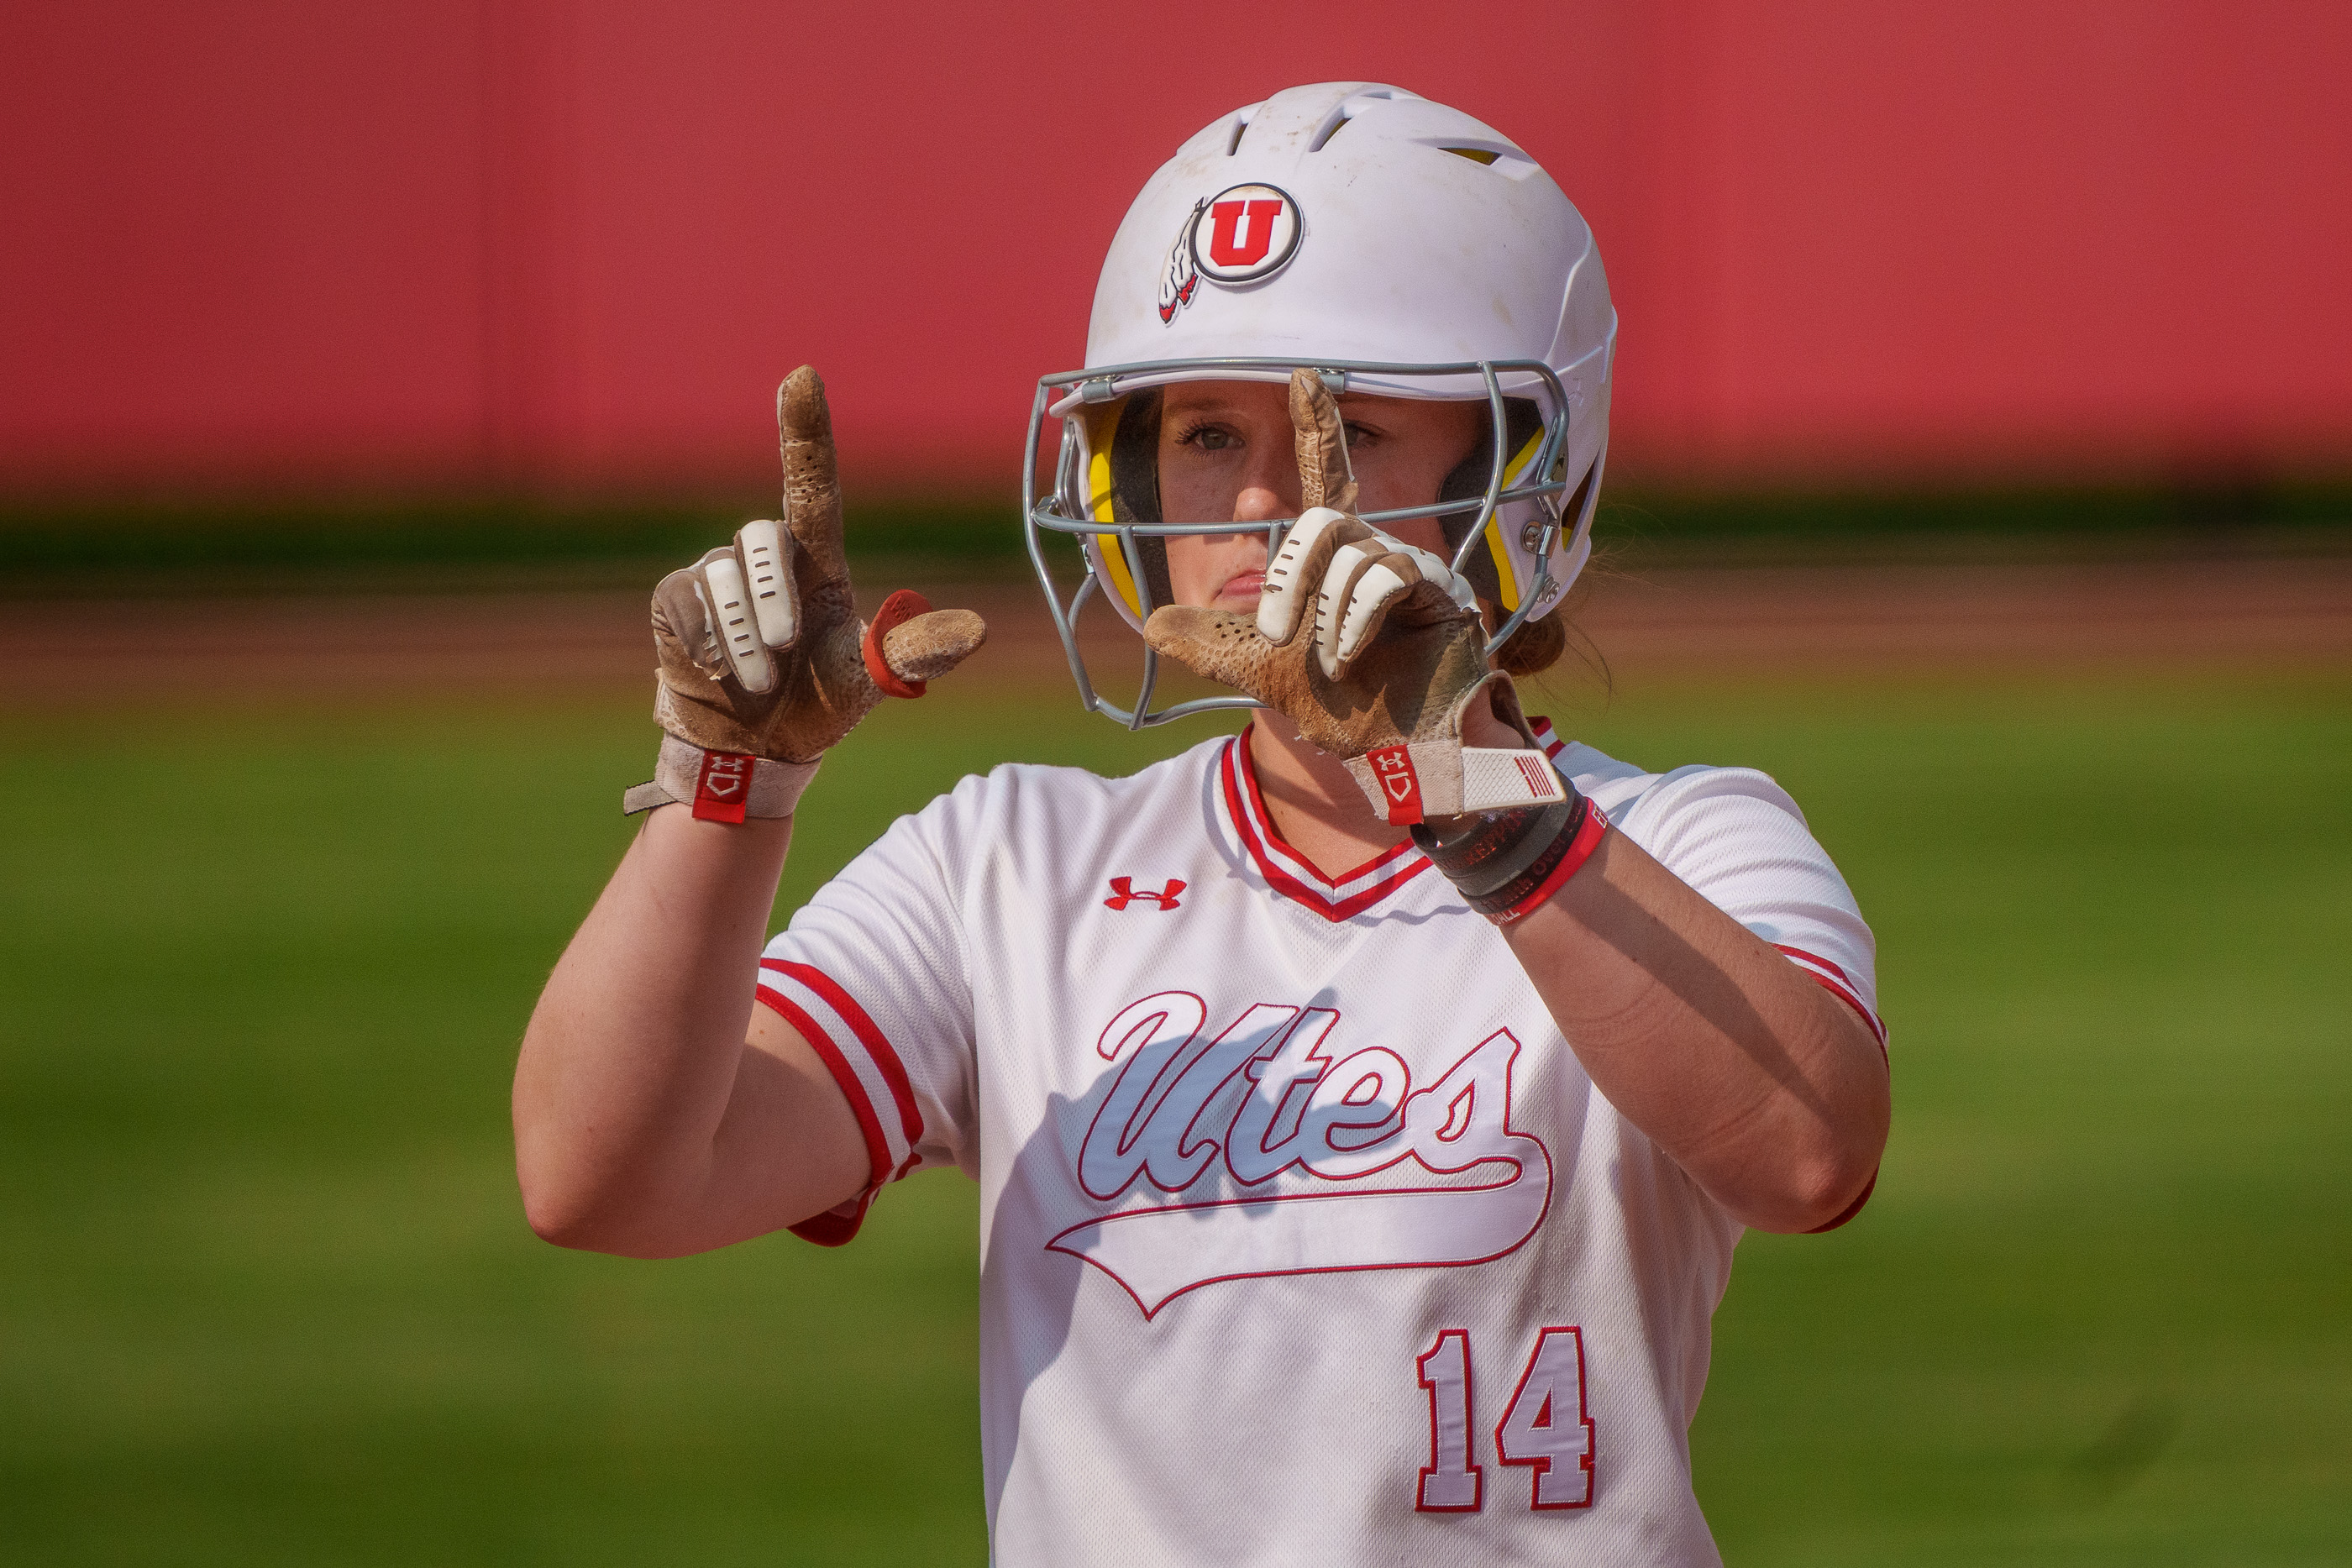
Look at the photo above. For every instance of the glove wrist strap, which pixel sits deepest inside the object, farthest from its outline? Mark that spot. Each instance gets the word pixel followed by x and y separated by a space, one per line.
pixel 1441 777
pixel 1415 779
pixel 721 785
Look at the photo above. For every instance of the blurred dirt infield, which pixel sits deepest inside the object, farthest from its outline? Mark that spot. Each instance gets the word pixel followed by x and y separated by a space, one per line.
pixel 1685 623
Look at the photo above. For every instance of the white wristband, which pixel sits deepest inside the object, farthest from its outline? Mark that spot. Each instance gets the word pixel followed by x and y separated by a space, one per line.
pixel 721 785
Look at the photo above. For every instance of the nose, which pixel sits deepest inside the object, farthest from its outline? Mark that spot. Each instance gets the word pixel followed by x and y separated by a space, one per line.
pixel 1270 489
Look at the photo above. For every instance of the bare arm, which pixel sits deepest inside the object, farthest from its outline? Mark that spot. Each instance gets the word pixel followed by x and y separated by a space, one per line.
pixel 1768 1091
pixel 658 1110
pixel 1771 1093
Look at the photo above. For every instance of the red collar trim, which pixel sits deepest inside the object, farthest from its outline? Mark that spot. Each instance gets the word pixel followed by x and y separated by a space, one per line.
pixel 1547 737
pixel 1292 874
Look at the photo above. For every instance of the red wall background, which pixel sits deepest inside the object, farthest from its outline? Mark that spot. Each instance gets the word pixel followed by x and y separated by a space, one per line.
pixel 490 243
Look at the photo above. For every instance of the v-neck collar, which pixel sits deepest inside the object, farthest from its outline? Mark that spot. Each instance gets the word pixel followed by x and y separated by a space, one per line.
pixel 1292 874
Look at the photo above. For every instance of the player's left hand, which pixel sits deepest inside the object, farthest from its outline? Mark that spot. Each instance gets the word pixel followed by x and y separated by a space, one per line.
pixel 1373 648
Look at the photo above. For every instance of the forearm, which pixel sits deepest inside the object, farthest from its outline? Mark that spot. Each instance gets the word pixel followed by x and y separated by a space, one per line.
pixel 632 1054
pixel 656 1109
pixel 1768 1091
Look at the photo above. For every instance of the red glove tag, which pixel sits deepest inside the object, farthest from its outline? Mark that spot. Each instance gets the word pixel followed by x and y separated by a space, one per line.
pixel 903 605
pixel 723 788
pixel 1393 765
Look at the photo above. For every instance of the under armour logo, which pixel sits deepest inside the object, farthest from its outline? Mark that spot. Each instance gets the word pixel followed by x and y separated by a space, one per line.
pixel 723 786
pixel 1123 893
pixel 1393 765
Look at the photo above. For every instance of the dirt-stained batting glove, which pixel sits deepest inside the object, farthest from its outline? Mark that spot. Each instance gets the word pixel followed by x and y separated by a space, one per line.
pixel 1373 648
pixel 764 662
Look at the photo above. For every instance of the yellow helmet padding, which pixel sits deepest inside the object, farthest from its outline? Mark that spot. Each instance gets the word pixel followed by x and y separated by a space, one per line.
pixel 1100 429
pixel 1504 578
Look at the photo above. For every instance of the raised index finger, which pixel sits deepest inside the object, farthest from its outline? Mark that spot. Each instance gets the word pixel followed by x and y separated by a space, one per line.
pixel 812 479
pixel 1324 475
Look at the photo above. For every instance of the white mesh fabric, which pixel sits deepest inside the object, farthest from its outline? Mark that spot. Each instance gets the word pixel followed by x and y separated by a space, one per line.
pixel 1156 1388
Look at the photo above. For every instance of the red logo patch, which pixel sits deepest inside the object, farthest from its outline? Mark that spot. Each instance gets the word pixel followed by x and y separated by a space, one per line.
pixel 1246 233
pixel 1241 233
pixel 1393 765
pixel 723 788
pixel 1123 893
pixel 1239 236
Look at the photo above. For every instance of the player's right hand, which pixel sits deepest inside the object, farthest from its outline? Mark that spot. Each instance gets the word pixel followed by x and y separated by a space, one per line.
pixel 760 648
pixel 1374 649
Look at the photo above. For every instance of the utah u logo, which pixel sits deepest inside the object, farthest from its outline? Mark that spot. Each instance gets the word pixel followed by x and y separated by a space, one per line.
pixel 1241 233
pixel 1123 893
pixel 1245 232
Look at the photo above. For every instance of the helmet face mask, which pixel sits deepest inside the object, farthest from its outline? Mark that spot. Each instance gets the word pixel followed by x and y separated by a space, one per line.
pixel 1399 248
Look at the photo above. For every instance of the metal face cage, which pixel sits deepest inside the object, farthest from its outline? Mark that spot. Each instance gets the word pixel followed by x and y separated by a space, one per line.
pixel 1065 508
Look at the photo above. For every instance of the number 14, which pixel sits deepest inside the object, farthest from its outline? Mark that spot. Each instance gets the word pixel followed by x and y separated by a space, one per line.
pixel 1544 1427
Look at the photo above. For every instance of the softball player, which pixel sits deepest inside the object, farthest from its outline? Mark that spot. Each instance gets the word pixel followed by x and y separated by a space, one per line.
pixel 1364 1107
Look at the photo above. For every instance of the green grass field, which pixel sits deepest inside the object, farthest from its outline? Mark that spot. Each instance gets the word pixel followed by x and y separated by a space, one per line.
pixel 267 1297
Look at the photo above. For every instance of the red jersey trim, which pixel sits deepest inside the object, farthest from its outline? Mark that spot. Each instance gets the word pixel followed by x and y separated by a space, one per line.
pixel 1547 737
pixel 869 1034
pixel 1851 1208
pixel 1834 980
pixel 1261 822
pixel 835 1228
pixel 832 1229
pixel 1254 827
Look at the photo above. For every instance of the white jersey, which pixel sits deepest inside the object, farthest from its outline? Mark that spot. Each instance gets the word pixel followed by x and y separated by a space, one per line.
pixel 1305 1238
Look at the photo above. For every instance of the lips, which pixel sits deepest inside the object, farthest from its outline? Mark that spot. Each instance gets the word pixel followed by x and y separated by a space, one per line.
pixel 1243 587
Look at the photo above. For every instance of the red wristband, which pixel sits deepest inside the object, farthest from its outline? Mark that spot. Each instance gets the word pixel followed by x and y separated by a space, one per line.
pixel 1580 846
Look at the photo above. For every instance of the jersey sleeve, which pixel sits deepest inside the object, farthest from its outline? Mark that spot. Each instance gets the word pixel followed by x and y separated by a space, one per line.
pixel 873 973
pixel 1739 839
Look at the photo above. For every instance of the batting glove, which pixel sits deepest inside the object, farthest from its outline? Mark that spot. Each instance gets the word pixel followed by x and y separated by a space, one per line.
pixel 1374 649
pixel 764 663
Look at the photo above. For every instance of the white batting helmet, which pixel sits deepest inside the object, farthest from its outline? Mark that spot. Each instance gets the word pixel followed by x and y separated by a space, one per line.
pixel 1398 247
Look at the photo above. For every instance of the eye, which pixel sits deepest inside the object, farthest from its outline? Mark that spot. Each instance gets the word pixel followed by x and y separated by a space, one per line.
pixel 1208 436
pixel 1362 435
